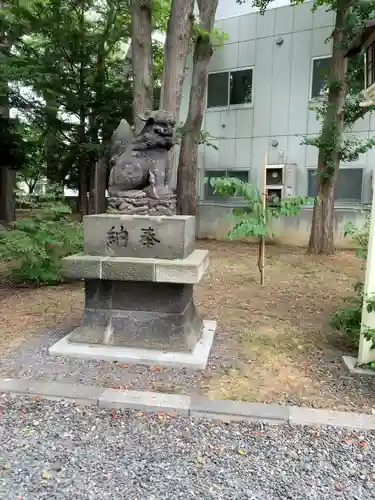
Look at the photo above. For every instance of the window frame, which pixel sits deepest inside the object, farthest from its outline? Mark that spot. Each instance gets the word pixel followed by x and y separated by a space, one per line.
pixel 315 58
pixel 225 171
pixel 371 49
pixel 231 106
pixel 340 201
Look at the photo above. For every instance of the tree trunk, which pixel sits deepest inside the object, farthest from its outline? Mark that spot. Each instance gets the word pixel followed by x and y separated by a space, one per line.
pixel 187 166
pixel 175 54
pixel 141 60
pixel 7 186
pixel 100 178
pixel 83 177
pixel 321 236
pixel 7 175
pixel 83 188
pixel 128 62
pixel 52 159
pixel 31 185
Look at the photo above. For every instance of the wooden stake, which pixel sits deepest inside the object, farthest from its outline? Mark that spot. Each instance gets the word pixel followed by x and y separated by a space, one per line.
pixel 262 239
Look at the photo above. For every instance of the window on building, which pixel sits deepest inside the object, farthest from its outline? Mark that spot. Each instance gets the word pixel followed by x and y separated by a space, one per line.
pixel 370 66
pixel 348 187
pixel 230 88
pixel 320 70
pixel 242 175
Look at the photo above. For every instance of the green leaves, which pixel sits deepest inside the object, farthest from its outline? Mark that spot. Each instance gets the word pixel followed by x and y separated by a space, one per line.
pixel 37 243
pixel 348 318
pixel 253 219
pixel 359 234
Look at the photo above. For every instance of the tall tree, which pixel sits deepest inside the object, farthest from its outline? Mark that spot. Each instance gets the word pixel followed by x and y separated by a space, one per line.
pixel 321 237
pixel 338 114
pixel 175 54
pixel 188 160
pixel 7 174
pixel 79 101
pixel 176 48
pixel 142 59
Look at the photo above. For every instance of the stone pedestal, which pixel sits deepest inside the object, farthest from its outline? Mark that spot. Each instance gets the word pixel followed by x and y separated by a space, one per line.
pixel 139 274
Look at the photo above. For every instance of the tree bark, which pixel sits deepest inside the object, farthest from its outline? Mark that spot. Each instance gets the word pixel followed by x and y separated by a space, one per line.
pixel 175 53
pixel 128 62
pixel 176 50
pixel 7 186
pixel 187 166
pixel 51 141
pixel 7 175
pixel 321 236
pixel 83 188
pixel 141 60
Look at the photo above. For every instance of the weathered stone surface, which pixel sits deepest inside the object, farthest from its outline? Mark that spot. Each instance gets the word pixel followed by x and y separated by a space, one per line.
pixel 139 236
pixel 139 273
pixel 93 327
pixel 133 314
pixel 119 295
pixel 201 407
pixel 152 330
pixel 195 360
pixel 314 416
pixel 139 203
pixel 139 164
pixel 149 401
pixel 189 270
pixel 89 334
pixel 82 266
pixel 80 394
pixel 120 268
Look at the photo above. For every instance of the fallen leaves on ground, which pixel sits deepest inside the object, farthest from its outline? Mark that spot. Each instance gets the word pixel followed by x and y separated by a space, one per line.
pixel 275 343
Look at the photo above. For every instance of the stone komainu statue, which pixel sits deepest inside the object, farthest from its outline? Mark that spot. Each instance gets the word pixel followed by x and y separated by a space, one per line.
pixel 137 181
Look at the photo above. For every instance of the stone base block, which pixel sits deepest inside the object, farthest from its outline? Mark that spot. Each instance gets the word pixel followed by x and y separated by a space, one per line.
pixel 195 360
pixel 142 236
pixel 189 270
pixel 351 364
pixel 137 314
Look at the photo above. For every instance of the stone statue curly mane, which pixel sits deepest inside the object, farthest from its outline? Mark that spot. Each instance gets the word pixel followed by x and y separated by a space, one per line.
pixel 137 182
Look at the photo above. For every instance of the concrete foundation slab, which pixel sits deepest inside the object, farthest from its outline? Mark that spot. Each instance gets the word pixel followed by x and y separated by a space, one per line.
pixel 195 360
pixel 351 364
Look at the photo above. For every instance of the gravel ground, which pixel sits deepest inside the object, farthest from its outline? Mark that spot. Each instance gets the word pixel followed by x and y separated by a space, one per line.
pixel 55 450
pixel 31 360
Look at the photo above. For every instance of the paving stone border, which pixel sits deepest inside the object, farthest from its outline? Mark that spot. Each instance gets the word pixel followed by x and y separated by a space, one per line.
pixel 194 406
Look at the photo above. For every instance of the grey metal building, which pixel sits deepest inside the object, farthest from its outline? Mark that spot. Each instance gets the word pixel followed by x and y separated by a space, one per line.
pixel 261 86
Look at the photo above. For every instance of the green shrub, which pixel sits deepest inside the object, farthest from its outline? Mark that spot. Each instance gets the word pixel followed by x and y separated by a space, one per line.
pixel 347 319
pixel 35 244
pixel 359 234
